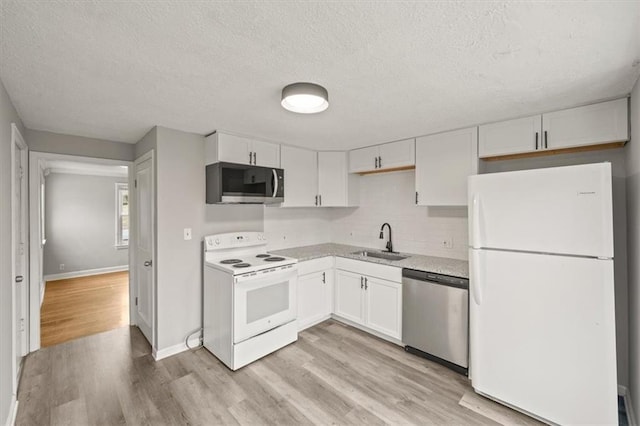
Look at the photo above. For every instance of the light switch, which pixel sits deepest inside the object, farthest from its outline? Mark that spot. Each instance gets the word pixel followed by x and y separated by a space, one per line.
pixel 187 234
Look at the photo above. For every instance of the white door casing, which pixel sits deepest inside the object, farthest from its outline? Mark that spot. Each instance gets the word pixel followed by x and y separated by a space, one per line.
pixel 144 265
pixel 18 250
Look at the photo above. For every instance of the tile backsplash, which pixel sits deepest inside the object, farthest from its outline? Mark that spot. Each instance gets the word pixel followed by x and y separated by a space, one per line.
pixel 387 197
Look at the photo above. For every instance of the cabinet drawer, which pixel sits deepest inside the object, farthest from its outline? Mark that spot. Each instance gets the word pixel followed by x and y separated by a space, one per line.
pixel 385 272
pixel 315 265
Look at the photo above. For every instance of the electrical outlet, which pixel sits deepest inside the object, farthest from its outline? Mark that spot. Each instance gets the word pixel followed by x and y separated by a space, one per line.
pixel 62 266
pixel 187 234
pixel 447 243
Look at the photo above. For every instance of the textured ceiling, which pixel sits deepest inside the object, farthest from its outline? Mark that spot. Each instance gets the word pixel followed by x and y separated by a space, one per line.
pixel 112 70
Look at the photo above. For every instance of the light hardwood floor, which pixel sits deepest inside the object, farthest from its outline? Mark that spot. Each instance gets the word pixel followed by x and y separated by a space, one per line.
pixel 78 307
pixel 333 374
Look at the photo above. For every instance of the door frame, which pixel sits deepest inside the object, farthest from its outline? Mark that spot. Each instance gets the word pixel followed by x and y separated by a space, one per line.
pixel 18 143
pixel 133 221
pixel 37 169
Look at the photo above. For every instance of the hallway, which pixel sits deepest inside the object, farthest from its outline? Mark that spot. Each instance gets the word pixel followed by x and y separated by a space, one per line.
pixel 78 307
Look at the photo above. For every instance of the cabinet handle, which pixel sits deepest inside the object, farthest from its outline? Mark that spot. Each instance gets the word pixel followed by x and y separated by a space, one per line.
pixel 376 159
pixel 546 140
pixel 536 140
pixel 324 278
pixel 416 197
pixel 361 282
pixel 320 199
pixel 366 285
pixel 316 200
pixel 250 157
pixel 380 162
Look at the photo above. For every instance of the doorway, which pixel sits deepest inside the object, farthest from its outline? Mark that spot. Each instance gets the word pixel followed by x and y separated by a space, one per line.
pixel 80 255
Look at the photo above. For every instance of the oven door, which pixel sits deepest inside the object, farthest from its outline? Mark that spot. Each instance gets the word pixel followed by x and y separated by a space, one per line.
pixel 263 302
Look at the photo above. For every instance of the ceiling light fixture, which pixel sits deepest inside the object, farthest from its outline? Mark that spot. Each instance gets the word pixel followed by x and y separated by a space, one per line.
pixel 305 98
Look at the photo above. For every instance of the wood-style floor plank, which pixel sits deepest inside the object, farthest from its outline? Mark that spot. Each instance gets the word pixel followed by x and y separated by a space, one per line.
pixel 78 307
pixel 333 374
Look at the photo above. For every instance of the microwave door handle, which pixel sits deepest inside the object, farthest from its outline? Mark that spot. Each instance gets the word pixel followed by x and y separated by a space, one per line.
pixel 275 180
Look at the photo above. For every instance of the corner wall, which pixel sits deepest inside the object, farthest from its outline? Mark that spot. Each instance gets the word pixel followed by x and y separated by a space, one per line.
pixel 632 152
pixel 8 115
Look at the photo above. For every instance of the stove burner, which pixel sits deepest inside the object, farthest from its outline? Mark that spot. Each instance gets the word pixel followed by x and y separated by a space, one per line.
pixel 241 265
pixel 274 259
pixel 230 261
pixel 263 255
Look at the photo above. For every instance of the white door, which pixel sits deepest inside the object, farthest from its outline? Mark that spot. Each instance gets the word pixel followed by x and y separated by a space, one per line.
pixel 510 137
pixel 266 154
pixel 349 299
pixel 363 159
pixel 564 210
pixel 384 306
pixel 397 154
pixel 301 175
pixel 443 164
pixel 542 334
pixel 332 179
pixel 588 125
pixel 144 245
pixel 18 247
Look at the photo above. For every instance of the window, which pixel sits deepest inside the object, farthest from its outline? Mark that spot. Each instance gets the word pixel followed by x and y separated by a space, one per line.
pixel 122 215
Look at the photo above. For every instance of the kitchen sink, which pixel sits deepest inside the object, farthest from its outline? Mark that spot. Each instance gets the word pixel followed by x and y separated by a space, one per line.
pixel 379 255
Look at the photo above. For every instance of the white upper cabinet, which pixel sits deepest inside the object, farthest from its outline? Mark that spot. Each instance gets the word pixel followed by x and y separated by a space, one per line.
pixel 300 175
pixel 363 159
pixel 602 123
pixel 510 137
pixel 588 125
pixel 382 157
pixel 335 188
pixel 241 150
pixel 443 163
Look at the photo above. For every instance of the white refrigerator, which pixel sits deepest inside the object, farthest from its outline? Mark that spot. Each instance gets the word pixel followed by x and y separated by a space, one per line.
pixel 542 316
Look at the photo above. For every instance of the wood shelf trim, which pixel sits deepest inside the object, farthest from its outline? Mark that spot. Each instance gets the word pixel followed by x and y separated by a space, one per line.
pixel 393 169
pixel 547 152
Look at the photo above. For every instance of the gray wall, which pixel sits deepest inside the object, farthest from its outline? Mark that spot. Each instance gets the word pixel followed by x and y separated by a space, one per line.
pixel 617 159
pixel 8 115
pixel 80 223
pixel 633 239
pixel 57 143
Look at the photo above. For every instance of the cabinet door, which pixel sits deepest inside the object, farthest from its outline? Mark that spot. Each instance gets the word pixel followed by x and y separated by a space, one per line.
pixel 589 125
pixel 443 163
pixel 397 154
pixel 266 154
pixel 233 149
pixel 510 137
pixel 348 296
pixel 363 159
pixel 314 303
pixel 301 176
pixel 332 178
pixel 384 306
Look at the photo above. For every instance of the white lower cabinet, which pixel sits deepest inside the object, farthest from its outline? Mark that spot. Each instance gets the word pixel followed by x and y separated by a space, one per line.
pixel 367 300
pixel 315 291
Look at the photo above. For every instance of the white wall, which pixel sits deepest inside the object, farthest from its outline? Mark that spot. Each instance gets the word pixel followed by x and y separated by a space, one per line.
pixel 8 115
pixel 617 159
pixel 390 197
pixel 80 223
pixel 632 154
pixel 295 227
pixel 57 143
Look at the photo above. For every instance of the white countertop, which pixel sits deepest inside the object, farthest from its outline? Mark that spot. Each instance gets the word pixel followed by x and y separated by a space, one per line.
pixel 439 265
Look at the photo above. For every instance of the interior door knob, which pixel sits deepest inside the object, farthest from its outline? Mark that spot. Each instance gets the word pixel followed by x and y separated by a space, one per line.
pixel 148 263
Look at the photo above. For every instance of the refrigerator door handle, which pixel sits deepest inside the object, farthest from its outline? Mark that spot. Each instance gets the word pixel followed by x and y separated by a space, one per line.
pixel 474 221
pixel 476 279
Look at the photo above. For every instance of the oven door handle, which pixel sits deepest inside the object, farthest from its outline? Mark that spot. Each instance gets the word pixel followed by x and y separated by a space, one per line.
pixel 275 184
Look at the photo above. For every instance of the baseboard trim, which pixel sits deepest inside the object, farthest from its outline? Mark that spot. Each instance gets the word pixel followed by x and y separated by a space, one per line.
pixel 304 326
pixel 13 412
pixel 175 349
pixel 624 393
pixel 368 330
pixel 85 273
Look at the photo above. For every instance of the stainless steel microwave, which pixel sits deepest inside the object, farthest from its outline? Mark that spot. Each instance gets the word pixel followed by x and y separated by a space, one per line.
pixel 231 183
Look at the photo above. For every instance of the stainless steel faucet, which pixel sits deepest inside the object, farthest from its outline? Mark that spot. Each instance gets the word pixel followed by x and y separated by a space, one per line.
pixel 389 244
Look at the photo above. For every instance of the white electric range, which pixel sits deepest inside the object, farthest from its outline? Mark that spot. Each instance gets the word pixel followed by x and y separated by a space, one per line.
pixel 250 302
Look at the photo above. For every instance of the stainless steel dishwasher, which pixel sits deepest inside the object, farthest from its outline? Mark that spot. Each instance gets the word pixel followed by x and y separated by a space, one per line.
pixel 435 317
